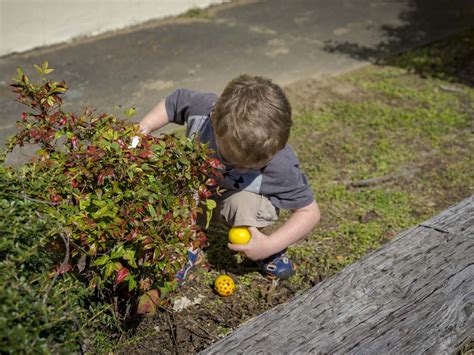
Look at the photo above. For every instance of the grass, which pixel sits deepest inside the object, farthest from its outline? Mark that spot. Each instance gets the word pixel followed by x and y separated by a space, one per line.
pixel 196 13
pixel 393 123
pixel 408 122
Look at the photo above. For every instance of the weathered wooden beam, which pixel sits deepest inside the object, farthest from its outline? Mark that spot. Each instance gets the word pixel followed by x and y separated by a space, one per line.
pixel 414 295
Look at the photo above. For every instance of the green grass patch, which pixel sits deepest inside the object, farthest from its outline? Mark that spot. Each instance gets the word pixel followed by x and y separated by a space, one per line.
pixel 407 123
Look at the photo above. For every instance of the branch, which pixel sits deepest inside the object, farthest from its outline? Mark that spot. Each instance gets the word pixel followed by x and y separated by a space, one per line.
pixel 381 179
pixel 65 239
pixel 39 201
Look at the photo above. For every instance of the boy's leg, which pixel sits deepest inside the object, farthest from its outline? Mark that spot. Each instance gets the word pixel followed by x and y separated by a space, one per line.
pixel 245 208
pixel 249 209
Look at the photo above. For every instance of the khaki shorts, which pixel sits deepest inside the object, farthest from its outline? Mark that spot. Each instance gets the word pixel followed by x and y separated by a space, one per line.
pixel 244 208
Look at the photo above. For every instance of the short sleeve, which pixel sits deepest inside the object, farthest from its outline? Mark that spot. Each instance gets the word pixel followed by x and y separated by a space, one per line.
pixel 285 184
pixel 183 103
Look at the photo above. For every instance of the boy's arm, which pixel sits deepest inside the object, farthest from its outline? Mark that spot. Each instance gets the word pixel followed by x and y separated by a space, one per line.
pixel 301 222
pixel 155 119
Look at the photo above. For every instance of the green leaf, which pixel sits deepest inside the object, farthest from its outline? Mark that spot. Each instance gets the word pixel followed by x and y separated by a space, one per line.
pixel 148 302
pixel 118 253
pixel 130 112
pixel 129 255
pixel 84 203
pixel 102 260
pixel 104 211
pixel 39 69
pixel 183 160
pixel 132 284
pixel 152 210
pixel 109 269
pixel 211 204
pixel 115 146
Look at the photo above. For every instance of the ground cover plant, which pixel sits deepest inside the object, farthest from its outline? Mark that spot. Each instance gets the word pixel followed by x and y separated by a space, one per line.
pixel 385 147
pixel 111 222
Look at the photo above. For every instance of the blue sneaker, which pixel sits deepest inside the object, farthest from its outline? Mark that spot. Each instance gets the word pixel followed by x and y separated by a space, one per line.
pixel 277 266
pixel 194 258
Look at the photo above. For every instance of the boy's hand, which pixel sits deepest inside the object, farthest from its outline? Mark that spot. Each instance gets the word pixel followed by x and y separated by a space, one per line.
pixel 259 247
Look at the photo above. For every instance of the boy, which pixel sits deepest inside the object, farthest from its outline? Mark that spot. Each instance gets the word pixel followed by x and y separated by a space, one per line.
pixel 248 128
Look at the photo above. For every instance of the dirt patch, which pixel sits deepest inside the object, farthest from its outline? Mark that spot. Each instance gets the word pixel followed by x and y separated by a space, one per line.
pixel 315 94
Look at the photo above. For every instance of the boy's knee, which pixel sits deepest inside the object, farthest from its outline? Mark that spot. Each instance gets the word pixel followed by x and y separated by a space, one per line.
pixel 245 208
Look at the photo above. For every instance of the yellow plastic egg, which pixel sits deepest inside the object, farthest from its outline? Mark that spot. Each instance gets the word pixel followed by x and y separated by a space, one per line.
pixel 224 285
pixel 239 235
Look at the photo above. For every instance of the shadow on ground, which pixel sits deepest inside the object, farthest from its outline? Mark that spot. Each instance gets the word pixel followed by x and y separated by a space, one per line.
pixel 419 28
pixel 220 257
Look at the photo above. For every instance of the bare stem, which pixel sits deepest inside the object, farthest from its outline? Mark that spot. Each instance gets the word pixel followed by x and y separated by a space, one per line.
pixel 65 239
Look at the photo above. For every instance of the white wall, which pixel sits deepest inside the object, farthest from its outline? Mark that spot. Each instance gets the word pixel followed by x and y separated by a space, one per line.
pixel 26 24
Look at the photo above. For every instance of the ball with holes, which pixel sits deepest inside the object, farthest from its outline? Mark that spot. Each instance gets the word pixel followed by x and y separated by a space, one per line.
pixel 224 285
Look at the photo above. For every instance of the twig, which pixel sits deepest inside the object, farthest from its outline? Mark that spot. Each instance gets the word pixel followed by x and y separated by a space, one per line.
pixel 77 328
pixel 450 88
pixel 25 196
pixel 380 179
pixel 372 181
pixel 211 336
pixel 173 337
pixel 65 239
pixel 39 201
pixel 208 337
pixel 78 247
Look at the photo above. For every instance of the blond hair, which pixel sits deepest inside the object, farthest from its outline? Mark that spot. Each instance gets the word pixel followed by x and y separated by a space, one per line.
pixel 252 118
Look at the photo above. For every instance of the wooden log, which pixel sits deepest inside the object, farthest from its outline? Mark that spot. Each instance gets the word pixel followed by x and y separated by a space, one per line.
pixel 414 295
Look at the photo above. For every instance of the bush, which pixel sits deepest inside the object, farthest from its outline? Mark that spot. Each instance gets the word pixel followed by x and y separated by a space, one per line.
pixel 117 219
pixel 39 312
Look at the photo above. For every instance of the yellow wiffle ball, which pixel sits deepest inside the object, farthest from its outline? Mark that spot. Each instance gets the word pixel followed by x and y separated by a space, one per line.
pixel 224 285
pixel 239 235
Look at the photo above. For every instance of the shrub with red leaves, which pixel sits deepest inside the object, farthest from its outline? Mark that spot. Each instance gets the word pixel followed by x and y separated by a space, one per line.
pixel 128 213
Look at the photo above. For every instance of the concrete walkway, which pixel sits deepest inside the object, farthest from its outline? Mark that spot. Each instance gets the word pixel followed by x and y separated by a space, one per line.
pixel 281 39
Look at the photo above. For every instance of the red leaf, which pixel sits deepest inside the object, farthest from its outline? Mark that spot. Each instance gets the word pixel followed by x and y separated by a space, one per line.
pixel 211 182
pixel 121 275
pixel 100 179
pixel 147 240
pixel 55 198
pixel 145 154
pixel 122 145
pixel 168 216
pixel 204 192
pixel 216 163
pixel 145 284
pixel 23 116
pixel 63 268
pixel 148 302
pixel 132 235
pixel 91 149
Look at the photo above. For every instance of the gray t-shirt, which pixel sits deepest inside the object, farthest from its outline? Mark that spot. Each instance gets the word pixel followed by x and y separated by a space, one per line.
pixel 281 180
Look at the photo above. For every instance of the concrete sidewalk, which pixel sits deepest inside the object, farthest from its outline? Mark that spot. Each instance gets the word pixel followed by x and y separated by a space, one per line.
pixel 281 39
